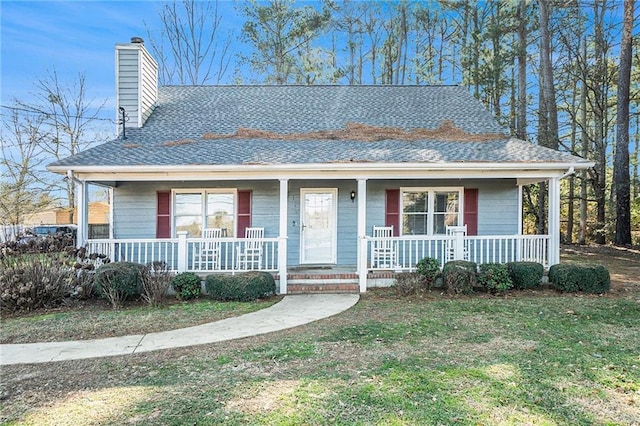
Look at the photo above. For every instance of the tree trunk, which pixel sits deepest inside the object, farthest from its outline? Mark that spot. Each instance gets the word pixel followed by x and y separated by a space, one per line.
pixel 621 165
pixel 521 122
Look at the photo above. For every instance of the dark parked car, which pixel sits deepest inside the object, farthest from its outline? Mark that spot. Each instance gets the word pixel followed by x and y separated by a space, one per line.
pixel 41 231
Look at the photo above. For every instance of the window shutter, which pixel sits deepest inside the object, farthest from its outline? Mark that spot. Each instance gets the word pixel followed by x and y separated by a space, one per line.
pixel 244 212
pixel 392 210
pixel 163 219
pixel 471 210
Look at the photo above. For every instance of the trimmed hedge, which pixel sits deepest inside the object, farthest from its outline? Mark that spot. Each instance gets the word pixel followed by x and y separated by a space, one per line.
pixel 494 277
pixel 573 278
pixel 187 285
pixel 118 281
pixel 244 287
pixel 525 274
pixel 428 269
pixel 460 276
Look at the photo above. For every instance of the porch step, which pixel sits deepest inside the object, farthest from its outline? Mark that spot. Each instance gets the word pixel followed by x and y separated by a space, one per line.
pixel 349 288
pixel 322 283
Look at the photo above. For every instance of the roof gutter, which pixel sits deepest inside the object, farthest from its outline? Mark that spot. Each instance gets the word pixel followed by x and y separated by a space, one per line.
pixel 571 167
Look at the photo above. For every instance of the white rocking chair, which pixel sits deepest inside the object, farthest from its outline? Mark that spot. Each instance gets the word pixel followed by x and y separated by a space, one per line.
pixel 456 245
pixel 210 248
pixel 383 252
pixel 249 254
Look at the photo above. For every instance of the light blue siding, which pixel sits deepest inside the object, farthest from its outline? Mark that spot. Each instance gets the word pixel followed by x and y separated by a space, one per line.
pixel 135 208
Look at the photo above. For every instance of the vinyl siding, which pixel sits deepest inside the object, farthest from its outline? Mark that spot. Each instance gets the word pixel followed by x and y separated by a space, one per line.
pixel 136 83
pixel 135 208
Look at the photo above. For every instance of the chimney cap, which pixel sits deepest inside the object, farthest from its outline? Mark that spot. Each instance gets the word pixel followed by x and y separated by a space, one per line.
pixel 138 40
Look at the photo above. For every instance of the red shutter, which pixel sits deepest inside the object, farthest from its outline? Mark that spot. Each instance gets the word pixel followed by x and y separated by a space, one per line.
pixel 244 212
pixel 471 210
pixel 392 210
pixel 163 219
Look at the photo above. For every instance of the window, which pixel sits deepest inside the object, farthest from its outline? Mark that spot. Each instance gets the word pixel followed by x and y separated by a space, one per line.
pixel 430 211
pixel 214 209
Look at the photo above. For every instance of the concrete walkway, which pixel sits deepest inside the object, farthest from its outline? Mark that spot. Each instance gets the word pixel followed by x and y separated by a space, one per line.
pixel 290 312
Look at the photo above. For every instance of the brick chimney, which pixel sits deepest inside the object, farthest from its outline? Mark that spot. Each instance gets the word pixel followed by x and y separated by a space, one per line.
pixel 136 82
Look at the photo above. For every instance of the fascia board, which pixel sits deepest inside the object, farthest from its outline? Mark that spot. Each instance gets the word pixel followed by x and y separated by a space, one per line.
pixel 357 171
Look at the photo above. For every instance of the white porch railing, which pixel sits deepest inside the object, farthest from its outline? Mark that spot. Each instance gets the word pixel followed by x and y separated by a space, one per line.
pixel 194 254
pixel 408 250
pixel 190 254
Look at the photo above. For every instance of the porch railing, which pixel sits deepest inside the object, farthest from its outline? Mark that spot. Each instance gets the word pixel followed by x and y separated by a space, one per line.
pixel 196 255
pixel 190 254
pixel 408 250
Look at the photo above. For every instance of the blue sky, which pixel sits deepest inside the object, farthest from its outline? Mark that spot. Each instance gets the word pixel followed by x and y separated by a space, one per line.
pixel 71 37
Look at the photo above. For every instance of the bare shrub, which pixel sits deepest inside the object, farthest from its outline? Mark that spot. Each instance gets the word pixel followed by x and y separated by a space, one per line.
pixel 409 283
pixel 156 280
pixel 30 281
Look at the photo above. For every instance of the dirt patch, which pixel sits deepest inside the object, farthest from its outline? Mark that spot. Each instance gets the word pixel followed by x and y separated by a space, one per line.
pixel 267 396
pixel 447 131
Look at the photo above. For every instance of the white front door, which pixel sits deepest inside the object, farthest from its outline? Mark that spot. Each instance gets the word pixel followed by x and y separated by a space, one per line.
pixel 318 230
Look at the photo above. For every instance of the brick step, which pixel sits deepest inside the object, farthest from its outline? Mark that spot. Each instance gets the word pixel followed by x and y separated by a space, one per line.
pixel 316 287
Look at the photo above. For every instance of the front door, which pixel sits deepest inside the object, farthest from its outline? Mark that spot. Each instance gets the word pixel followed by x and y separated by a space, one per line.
pixel 318 233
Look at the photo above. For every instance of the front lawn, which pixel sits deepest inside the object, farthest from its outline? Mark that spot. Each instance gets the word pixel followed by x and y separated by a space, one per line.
pixel 528 358
pixel 95 319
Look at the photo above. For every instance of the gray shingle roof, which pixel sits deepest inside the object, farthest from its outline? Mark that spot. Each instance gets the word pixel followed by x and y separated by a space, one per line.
pixel 188 112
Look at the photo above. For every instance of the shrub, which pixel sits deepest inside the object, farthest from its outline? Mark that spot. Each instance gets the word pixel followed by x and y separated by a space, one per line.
pixel 601 282
pixel 243 287
pixel 83 282
pixel 118 281
pixel 156 280
pixel 525 274
pixel 494 277
pixel 409 283
pixel 187 285
pixel 459 276
pixel 573 278
pixel 428 269
pixel 30 281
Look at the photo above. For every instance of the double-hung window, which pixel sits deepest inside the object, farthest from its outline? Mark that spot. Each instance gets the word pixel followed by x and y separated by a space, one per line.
pixel 428 211
pixel 198 209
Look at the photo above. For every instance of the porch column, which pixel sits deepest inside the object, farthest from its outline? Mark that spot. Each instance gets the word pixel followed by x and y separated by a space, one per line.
pixel 554 221
pixel 362 233
pixel 520 226
pixel 83 213
pixel 282 238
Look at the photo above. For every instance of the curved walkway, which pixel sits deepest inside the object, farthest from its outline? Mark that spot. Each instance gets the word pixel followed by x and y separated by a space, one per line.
pixel 290 312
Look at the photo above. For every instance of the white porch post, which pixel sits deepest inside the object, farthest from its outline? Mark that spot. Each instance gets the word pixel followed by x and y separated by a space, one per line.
pixel 282 238
pixel 83 213
pixel 554 221
pixel 362 233
pixel 520 225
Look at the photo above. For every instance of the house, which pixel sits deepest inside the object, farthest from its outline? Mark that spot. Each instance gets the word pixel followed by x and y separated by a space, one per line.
pixel 314 169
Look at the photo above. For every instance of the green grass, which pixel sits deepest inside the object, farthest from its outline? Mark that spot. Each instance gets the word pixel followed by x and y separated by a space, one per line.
pixel 529 358
pixel 555 360
pixel 101 321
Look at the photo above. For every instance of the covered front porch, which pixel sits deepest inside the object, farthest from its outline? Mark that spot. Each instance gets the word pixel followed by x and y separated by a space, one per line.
pixel 402 252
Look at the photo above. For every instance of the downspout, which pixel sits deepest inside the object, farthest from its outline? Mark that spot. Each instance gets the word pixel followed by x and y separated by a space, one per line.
pixel 569 172
pixel 82 209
